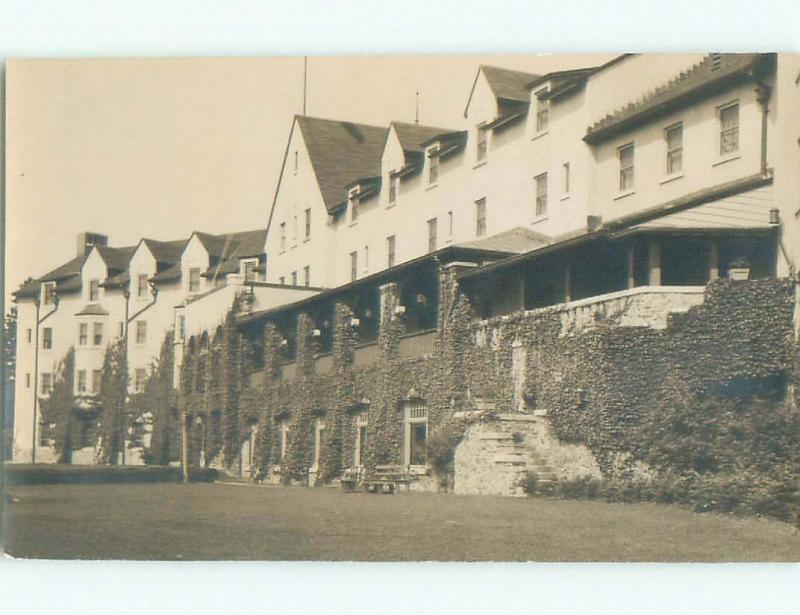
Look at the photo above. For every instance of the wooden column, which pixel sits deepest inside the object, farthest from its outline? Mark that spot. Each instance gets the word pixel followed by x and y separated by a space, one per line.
pixel 631 266
pixel 713 260
pixel 654 263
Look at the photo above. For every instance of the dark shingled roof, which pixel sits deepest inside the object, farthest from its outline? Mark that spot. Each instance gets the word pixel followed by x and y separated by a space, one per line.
pixel 116 258
pixel 702 79
pixel 509 84
pixel 166 252
pixel 170 274
pixel 227 249
pixel 93 309
pixel 514 241
pixel 341 153
pixel 413 136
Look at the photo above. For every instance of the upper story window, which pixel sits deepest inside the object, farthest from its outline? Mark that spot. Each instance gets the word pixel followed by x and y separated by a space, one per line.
pixel 194 280
pixel 307 275
pixel 480 217
pixel 565 178
pixel 483 143
pixel 97 378
pixel 98 334
pixel 433 165
pixel 541 194
pixel 625 156
pixel 673 136
pixel 182 328
pixel 141 331
pixel 432 241
pixel 81 381
pixel 353 266
pixel 729 129
pixel 294 230
pixel 283 236
pixel 83 333
pixel 47 338
pixel 48 293
pixel 307 233
pixel 250 266
pixel 141 285
pixel 94 290
pixel 394 180
pixel 542 111
pixel 353 200
pixel 390 248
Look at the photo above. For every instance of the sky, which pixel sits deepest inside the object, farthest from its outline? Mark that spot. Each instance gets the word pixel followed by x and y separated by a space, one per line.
pixel 158 148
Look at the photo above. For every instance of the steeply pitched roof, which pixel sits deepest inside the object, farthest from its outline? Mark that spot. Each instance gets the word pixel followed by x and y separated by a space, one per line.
pixel 341 153
pixel 514 241
pixel 227 249
pixel 703 79
pixel 508 84
pixel 413 136
pixel 116 258
pixel 166 252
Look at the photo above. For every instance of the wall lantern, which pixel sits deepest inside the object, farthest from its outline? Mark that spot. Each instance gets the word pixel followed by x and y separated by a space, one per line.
pixel 355 322
pixel 399 310
pixel 316 333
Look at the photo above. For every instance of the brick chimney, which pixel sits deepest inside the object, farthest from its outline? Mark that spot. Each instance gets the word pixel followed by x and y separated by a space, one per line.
pixel 87 239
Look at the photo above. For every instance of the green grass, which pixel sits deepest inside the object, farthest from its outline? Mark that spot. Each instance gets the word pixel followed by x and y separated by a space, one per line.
pixel 217 521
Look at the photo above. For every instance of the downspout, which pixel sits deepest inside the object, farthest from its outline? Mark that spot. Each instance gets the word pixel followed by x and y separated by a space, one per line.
pixel 129 319
pixel 39 321
pixel 763 94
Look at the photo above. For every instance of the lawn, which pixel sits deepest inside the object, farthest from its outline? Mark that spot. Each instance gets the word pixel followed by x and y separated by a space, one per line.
pixel 220 521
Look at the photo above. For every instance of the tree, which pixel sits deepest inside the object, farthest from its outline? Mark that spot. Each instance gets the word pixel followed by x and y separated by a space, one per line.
pixel 160 399
pixel 57 409
pixel 113 399
pixel 9 371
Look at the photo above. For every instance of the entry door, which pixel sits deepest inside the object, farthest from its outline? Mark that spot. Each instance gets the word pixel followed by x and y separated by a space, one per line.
pixel 419 437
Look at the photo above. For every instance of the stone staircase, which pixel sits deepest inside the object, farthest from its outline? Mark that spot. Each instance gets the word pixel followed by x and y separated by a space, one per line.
pixel 495 459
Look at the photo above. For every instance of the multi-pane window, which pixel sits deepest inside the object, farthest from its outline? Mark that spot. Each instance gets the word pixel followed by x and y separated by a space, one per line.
pixel 97 376
pixel 94 290
pixel 182 328
pixel 307 275
pixel 47 383
pixel 393 181
pixel 138 433
pixel 416 432
pixel 194 280
pixel 480 217
pixel 390 247
pixel 307 233
pixel 542 111
pixel 250 274
pixel 47 338
pixel 353 266
pixel 541 194
pixel 625 156
pixel 674 138
pixel 729 129
pixel 283 236
pixel 139 380
pixel 141 285
pixel 565 177
pixel 483 143
pixel 98 334
pixel 141 331
pixel 433 166
pixel 49 291
pixel 294 278
pixel 81 381
pixel 432 241
pixel 83 333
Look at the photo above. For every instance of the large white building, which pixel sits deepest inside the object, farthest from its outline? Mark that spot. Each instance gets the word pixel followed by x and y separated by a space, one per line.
pixel 638 148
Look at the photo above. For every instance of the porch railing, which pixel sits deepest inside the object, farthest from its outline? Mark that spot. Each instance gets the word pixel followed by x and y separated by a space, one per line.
pixel 417 344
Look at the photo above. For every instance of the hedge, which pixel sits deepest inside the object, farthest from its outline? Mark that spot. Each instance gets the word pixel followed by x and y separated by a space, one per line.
pixel 57 474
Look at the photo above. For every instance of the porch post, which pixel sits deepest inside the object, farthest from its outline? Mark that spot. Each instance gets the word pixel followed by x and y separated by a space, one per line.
pixel 567 283
pixel 713 260
pixel 631 266
pixel 654 262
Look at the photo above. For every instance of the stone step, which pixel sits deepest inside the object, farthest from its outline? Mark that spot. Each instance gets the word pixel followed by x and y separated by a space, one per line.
pixel 496 435
pixel 546 476
pixel 510 458
pixel 539 469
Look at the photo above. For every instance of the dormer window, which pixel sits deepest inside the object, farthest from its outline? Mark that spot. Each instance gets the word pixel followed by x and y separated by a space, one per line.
pixel 394 180
pixel 353 200
pixel 48 293
pixel 542 111
pixel 249 270
pixel 94 290
pixel 433 165
pixel 194 280
pixel 141 285
pixel 483 143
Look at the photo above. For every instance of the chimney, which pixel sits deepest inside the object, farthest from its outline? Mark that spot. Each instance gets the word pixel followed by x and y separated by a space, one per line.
pixel 87 240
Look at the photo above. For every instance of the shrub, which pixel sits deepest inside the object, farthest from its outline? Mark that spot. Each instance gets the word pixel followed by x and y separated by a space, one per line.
pixel 440 449
pixel 55 474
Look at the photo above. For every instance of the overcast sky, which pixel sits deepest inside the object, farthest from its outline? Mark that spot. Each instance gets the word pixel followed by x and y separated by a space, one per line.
pixel 159 148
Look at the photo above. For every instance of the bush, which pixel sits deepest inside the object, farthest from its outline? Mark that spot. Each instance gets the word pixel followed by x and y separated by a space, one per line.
pixel 55 474
pixel 440 449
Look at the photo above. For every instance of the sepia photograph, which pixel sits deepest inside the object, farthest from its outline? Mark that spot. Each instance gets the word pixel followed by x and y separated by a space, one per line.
pixel 503 308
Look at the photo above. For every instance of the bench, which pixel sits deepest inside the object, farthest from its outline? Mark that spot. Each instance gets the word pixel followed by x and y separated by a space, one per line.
pixel 386 478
